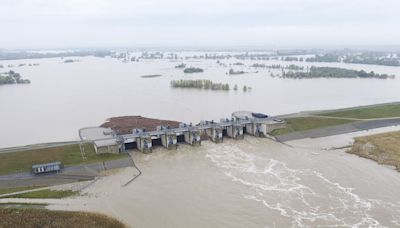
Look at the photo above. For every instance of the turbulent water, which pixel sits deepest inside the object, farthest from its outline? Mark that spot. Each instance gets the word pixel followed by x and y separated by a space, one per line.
pixel 250 183
pixel 304 196
pixel 64 97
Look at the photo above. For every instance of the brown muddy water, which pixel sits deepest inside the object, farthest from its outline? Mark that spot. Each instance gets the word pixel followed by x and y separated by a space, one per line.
pixel 250 183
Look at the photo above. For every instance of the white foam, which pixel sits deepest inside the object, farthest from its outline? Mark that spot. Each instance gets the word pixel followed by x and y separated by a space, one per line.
pixel 281 188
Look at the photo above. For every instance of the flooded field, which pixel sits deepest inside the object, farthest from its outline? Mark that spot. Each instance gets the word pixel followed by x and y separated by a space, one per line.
pixel 64 97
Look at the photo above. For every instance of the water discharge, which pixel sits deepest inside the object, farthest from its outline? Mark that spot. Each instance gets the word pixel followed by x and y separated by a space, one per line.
pixel 305 196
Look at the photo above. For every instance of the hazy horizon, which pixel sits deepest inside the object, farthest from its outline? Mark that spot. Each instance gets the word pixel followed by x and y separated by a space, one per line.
pixel 270 24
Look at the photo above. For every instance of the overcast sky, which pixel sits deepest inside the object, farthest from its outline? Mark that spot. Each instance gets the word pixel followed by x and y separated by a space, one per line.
pixel 198 23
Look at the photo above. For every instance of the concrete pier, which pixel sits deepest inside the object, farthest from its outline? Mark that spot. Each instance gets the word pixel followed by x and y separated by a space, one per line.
pixel 192 137
pixel 169 140
pixel 215 133
pixel 235 131
pixel 144 144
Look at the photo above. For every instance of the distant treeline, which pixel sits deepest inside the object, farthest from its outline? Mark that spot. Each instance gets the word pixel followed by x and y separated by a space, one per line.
pixel 370 58
pixel 333 72
pixel 12 78
pixel 34 55
pixel 199 84
pixel 278 66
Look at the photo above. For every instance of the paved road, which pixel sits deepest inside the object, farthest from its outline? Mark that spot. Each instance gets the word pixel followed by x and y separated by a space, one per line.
pixel 340 129
pixel 69 175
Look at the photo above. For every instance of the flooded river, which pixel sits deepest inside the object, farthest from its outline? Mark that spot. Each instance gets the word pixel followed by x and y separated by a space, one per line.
pixel 250 183
pixel 64 97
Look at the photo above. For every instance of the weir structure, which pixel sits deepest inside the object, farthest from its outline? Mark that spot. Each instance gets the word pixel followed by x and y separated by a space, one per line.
pixel 241 123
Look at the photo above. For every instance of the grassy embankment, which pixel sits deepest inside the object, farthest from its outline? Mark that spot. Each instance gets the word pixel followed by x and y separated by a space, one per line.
pixel 379 111
pixel 17 189
pixel 46 218
pixel 300 124
pixel 14 162
pixel 45 194
pixel 308 123
pixel 383 148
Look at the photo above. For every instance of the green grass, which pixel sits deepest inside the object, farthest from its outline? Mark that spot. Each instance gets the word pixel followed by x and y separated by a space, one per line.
pixel 45 194
pixel 17 189
pixel 29 217
pixel 14 162
pixel 308 123
pixel 380 111
pixel 24 204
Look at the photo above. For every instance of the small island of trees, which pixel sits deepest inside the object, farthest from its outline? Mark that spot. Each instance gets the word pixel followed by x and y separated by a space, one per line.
pixel 192 70
pixel 200 84
pixel 233 72
pixel 180 66
pixel 12 78
pixel 205 84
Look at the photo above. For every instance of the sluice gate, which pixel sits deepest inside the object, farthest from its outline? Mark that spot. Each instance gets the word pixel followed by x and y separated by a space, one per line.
pixel 234 128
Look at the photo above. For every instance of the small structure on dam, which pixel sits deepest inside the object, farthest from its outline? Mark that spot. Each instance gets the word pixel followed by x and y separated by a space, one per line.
pixel 105 140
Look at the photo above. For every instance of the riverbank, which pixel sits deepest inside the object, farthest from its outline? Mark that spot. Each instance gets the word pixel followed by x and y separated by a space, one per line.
pixel 28 217
pixel 383 148
pixel 254 182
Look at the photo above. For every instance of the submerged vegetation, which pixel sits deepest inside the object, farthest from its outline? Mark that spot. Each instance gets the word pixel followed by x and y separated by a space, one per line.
pixel 199 84
pixel 180 66
pixel 333 72
pixel 233 72
pixel 205 84
pixel 151 76
pixel 193 70
pixel 12 78
pixel 371 58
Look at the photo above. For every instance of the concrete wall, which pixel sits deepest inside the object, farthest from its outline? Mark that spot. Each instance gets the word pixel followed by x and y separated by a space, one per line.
pixel 193 138
pixel 235 131
pixel 169 141
pixel 144 144
pixel 114 149
pixel 215 134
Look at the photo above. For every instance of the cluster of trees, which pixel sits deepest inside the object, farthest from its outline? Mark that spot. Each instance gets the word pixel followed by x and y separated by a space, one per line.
pixel 290 58
pixel 193 70
pixel 334 72
pixel 278 66
pixel 262 65
pixel 233 72
pixel 199 84
pixel 294 67
pixel 180 66
pixel 329 58
pixel 371 58
pixel 372 61
pixel 12 78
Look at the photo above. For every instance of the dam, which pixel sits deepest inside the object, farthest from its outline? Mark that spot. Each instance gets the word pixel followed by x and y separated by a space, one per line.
pixel 106 140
